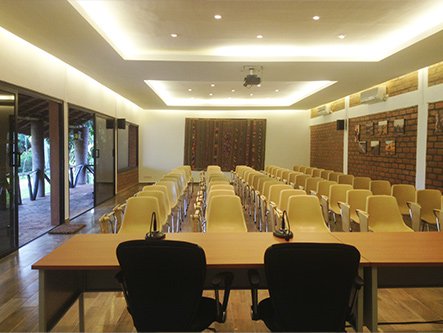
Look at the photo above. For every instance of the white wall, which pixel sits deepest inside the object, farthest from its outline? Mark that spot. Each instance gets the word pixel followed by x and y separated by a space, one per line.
pixel 162 135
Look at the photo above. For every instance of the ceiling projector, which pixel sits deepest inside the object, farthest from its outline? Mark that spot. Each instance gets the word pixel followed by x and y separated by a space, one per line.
pixel 251 80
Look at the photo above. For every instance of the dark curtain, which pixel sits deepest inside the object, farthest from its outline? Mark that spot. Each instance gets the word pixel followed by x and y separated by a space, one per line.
pixel 225 142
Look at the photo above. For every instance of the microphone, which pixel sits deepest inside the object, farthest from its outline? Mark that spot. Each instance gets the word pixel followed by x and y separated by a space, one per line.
pixel 153 232
pixel 283 232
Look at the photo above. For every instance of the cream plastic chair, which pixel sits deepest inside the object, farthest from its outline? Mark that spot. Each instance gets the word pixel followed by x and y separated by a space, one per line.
pixel 300 181
pixel 311 185
pixel 213 169
pixel 334 176
pixel 330 205
pixel 404 193
pixel 382 215
pixel 216 192
pixel 219 186
pixel 285 176
pixel 361 183
pixel 274 197
pixel 174 203
pixel 346 179
pixel 162 218
pixel 325 174
pixel 283 201
pixel 304 214
pixel 309 171
pixel 426 211
pixel 317 172
pixel 355 199
pixel 225 214
pixel 138 212
pixel 264 203
pixel 302 169
pixel 291 177
pixel 323 188
pixel 164 189
pixel 296 168
pixel 380 187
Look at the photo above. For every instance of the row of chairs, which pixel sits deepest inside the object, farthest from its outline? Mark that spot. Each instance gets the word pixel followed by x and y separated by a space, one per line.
pixel 218 208
pixel 167 199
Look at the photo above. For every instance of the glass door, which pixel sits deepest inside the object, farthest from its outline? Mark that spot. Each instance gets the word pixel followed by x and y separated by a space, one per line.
pixel 104 158
pixel 8 173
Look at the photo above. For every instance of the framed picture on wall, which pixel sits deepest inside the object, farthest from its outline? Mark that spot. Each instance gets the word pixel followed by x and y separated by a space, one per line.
pixel 399 126
pixel 375 147
pixel 370 129
pixel 356 133
pixel 362 148
pixel 390 147
pixel 438 121
pixel 382 128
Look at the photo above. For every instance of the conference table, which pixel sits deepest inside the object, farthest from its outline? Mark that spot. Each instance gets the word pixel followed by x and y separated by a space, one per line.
pixel 88 263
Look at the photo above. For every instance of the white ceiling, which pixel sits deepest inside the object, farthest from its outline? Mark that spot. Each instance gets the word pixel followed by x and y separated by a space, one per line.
pixel 127 45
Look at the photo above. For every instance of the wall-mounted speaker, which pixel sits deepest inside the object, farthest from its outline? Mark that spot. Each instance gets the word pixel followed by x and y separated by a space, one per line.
pixel 110 123
pixel 340 124
pixel 121 123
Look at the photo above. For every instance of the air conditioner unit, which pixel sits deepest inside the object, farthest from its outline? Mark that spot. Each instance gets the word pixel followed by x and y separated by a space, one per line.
pixel 373 95
pixel 323 110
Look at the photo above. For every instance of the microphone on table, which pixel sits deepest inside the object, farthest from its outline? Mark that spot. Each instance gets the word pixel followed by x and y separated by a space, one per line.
pixel 153 232
pixel 284 232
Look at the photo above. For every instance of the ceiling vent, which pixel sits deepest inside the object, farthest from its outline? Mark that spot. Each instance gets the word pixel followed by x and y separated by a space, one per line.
pixel 324 110
pixel 373 95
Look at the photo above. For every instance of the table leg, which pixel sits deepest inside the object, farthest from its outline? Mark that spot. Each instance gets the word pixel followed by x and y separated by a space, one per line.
pixel 81 312
pixel 370 298
pixel 42 320
pixel 359 322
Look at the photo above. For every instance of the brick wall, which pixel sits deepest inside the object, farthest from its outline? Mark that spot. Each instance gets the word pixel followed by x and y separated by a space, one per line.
pixel 397 167
pixel 434 150
pixel 435 74
pixel 327 147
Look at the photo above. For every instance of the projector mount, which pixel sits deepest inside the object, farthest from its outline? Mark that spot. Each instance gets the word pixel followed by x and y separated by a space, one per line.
pixel 252 79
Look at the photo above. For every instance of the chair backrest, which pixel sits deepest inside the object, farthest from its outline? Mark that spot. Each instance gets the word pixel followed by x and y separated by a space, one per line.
pixel 163 283
pixel 356 199
pixel 213 169
pixel 285 174
pixel 346 179
pixel 361 183
pixel 310 285
pixel 300 181
pixel 311 184
pixel 215 192
pixel 429 200
pixel 285 195
pixel 309 171
pixel 163 206
pixel 316 172
pixel 304 214
pixel 334 176
pixel 266 185
pixel 323 187
pixel 325 174
pixel 380 187
pixel 219 186
pixel 274 191
pixel 292 175
pixel 404 193
pixel 384 214
pixel 162 188
pixel 337 193
pixel 138 212
pixel 225 213
pixel 172 191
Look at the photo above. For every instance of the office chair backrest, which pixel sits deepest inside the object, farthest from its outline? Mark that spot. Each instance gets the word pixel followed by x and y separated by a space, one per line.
pixel 310 284
pixel 163 283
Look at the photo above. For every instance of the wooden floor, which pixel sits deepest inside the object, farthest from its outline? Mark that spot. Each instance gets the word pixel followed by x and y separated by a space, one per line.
pixel 106 312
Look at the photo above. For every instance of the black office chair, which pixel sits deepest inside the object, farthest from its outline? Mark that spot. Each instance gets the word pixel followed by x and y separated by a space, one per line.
pixel 163 281
pixel 312 287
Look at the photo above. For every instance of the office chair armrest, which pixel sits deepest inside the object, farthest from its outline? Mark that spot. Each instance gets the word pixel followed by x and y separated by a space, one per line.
pixel 254 280
pixel 222 280
pixel 363 217
pixel 414 213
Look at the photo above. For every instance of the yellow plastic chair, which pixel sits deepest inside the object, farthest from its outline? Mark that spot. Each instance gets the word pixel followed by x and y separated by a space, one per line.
pixel 427 210
pixel 317 172
pixel 285 176
pixel 300 181
pixel 225 214
pixel 337 192
pixel 311 185
pixel 404 193
pixel 309 171
pixel 382 215
pixel 283 201
pixel 304 214
pixel 274 197
pixel 361 183
pixel 323 188
pixel 213 169
pixel 355 199
pixel 291 177
pixel 216 192
pixel 163 209
pixel 138 212
pixel 380 187
pixel 346 179
pixel 334 176
pixel 325 174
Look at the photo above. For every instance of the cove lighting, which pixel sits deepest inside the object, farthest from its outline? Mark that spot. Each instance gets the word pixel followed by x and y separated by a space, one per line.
pixel 296 91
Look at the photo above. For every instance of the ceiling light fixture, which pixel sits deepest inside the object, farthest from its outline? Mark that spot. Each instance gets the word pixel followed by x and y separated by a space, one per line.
pixel 316 18
pixel 342 36
pixel 217 16
pixel 259 36
pixel 212 85
pixel 189 89
pixel 174 35
pixel 211 94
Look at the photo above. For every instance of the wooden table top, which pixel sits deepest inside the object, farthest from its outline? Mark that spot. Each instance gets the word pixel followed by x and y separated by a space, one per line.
pixel 397 248
pixel 223 250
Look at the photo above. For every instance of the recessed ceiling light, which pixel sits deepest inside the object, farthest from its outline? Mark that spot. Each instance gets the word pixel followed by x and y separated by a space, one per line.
pixel 342 36
pixel 259 36
pixel 217 16
pixel 251 94
pixel 259 85
pixel 233 90
pixel 174 35
pixel 276 90
pixel 212 85
pixel 189 89
pixel 316 18
pixel 211 94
